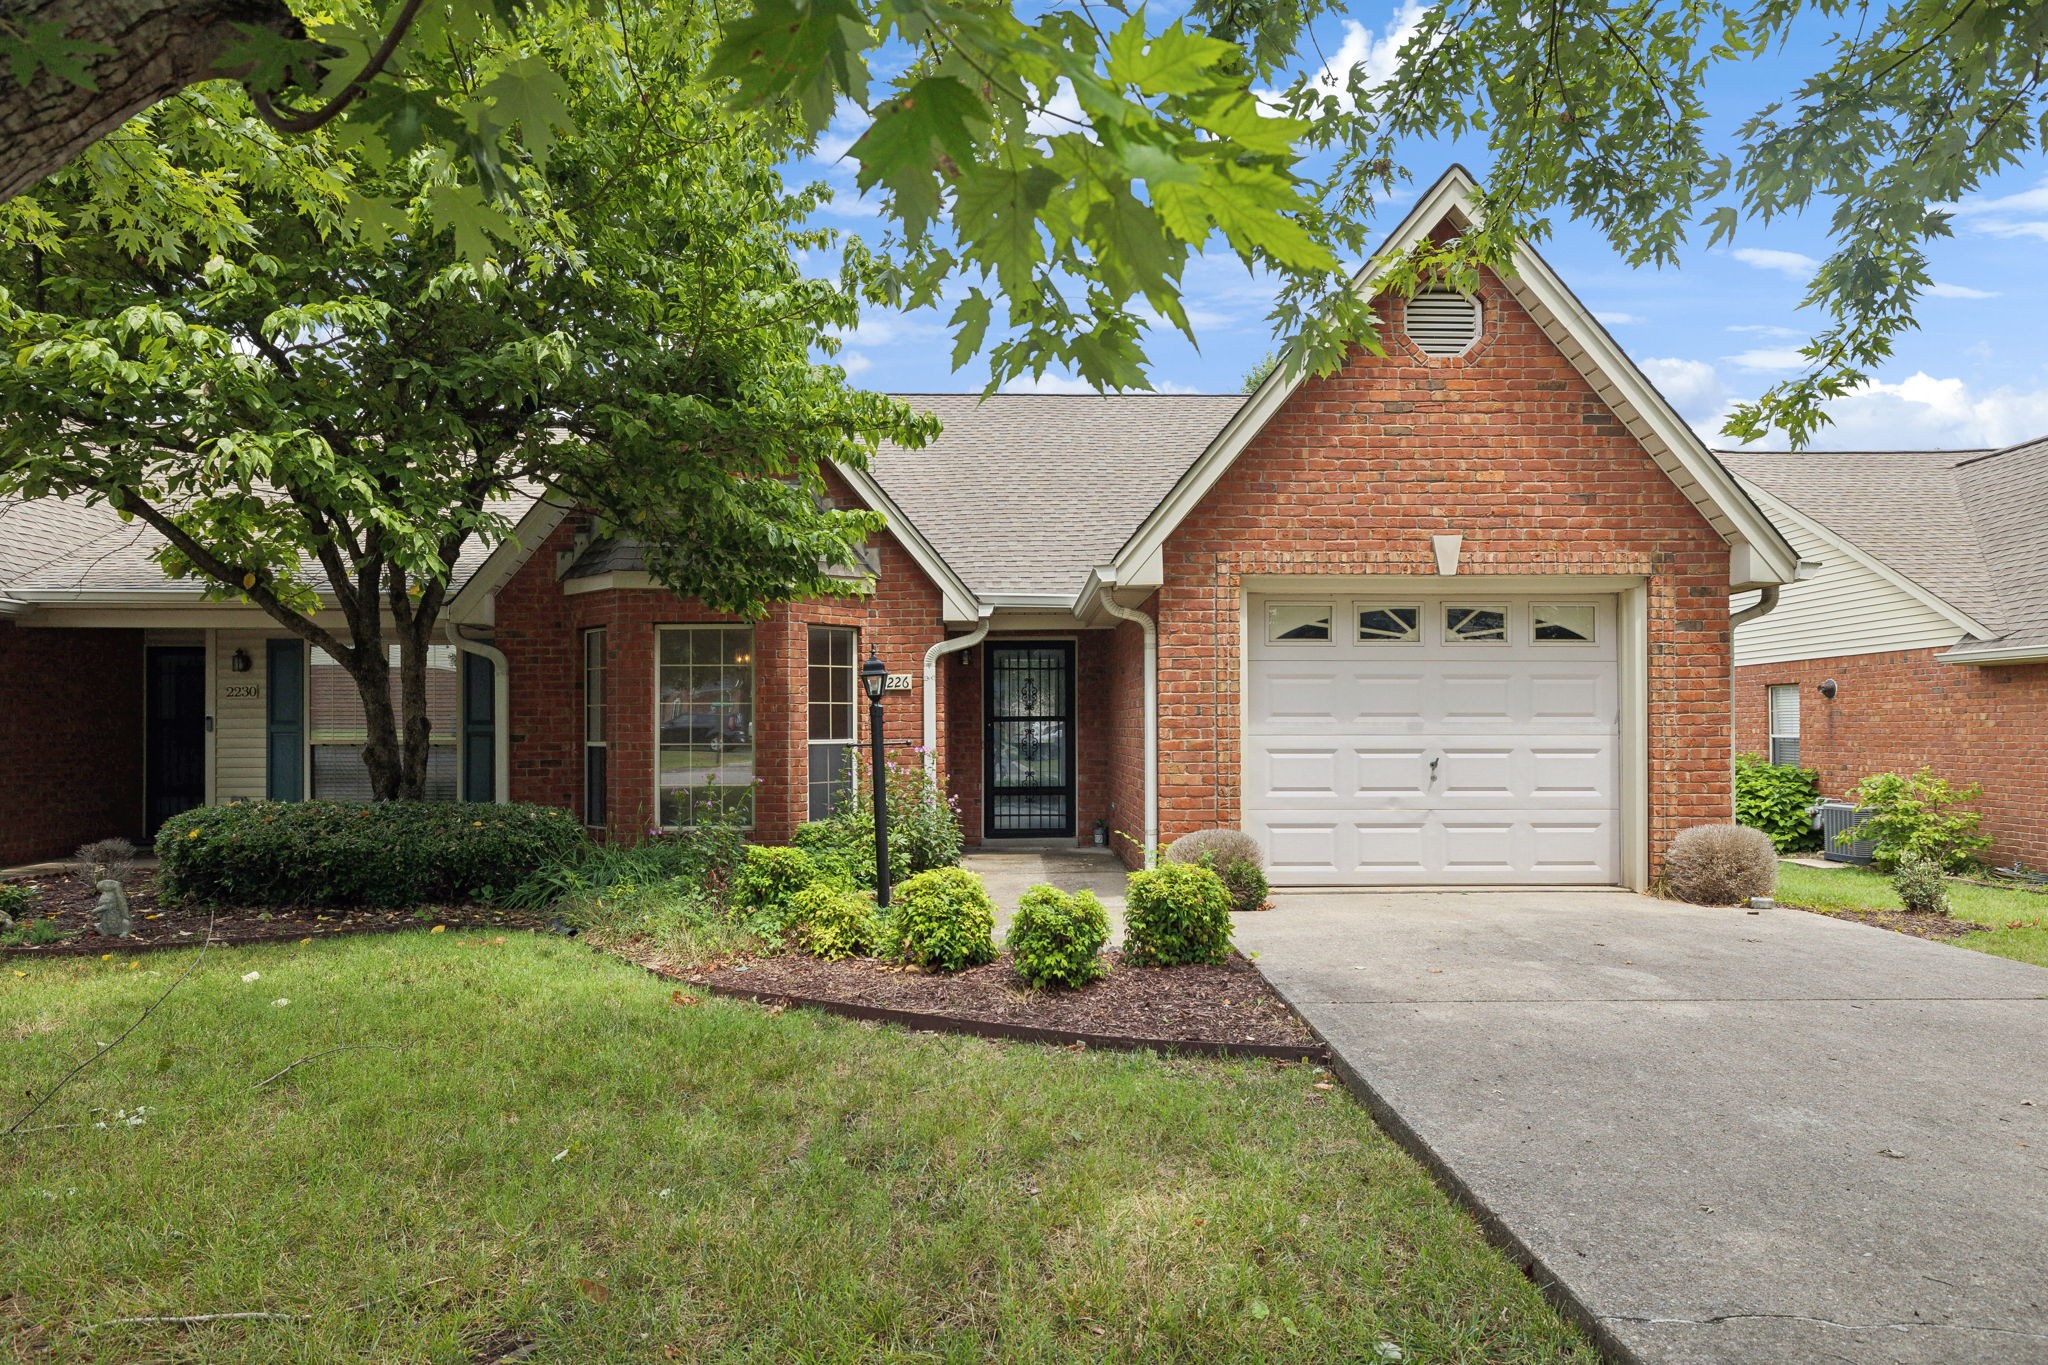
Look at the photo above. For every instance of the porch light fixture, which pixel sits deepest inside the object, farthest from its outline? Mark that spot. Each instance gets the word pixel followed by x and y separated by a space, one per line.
pixel 1828 689
pixel 874 678
pixel 240 662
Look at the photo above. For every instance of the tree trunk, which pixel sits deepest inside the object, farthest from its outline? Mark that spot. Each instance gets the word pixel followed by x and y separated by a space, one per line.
pixel 160 47
pixel 381 754
pixel 419 727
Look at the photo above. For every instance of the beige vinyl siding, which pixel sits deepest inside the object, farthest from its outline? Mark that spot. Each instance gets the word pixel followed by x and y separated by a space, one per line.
pixel 240 722
pixel 1845 607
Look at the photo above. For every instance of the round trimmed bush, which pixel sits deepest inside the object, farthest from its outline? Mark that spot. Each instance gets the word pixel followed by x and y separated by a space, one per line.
pixel 1176 913
pixel 942 919
pixel 345 853
pixel 1216 849
pixel 835 921
pixel 767 880
pixel 1921 886
pixel 1721 865
pixel 1056 939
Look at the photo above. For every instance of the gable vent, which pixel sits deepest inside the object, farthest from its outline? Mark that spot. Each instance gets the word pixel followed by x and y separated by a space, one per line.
pixel 1442 323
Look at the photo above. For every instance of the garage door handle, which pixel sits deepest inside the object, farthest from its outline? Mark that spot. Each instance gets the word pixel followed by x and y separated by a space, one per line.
pixel 1432 766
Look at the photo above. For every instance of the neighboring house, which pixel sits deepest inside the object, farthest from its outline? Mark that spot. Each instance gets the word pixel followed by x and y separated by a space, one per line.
pixel 1456 614
pixel 1920 638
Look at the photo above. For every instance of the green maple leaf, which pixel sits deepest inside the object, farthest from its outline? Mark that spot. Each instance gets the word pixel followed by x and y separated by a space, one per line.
pixel 939 117
pixel 1175 62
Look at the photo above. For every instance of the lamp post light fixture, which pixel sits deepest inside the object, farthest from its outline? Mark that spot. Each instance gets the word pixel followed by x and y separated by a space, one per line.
pixel 874 677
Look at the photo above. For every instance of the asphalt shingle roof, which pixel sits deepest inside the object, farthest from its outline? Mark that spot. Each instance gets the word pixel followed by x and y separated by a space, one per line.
pixel 1968 526
pixel 1026 493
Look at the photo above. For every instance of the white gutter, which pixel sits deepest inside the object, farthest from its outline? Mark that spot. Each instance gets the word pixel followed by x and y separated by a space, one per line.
pixel 1992 654
pixel 11 607
pixel 1151 629
pixel 501 703
pixel 931 687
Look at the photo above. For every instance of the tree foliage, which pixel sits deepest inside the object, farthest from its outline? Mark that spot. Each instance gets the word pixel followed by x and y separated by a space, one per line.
pixel 285 357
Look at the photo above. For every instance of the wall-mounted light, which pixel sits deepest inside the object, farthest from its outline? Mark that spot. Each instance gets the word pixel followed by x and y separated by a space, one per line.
pixel 1828 689
pixel 240 662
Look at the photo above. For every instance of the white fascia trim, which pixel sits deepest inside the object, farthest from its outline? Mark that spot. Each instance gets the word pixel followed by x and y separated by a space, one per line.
pixel 1779 508
pixel 1675 447
pixel 10 606
pixel 508 555
pixel 959 605
pixel 1995 654
pixel 121 597
pixel 1029 601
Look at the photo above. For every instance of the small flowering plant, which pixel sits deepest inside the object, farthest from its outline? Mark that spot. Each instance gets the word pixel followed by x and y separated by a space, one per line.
pixel 924 824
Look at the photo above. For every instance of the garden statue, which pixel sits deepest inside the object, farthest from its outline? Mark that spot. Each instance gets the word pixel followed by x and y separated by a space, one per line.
pixel 111 916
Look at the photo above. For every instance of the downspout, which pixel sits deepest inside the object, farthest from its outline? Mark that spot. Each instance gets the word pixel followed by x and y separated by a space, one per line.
pixel 931 688
pixel 1151 630
pixel 501 703
pixel 1767 598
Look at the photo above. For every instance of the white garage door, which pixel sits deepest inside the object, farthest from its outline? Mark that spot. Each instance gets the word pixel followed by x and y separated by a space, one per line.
pixel 1397 739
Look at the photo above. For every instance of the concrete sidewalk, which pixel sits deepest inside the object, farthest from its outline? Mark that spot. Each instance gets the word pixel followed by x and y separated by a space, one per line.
pixel 1010 869
pixel 1726 1137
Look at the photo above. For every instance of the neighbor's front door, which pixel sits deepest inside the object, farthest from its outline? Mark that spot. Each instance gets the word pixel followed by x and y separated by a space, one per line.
pixel 175 737
pixel 1030 763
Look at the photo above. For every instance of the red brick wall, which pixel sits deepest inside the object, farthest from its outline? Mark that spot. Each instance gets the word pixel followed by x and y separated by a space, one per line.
pixel 71 710
pixel 1508 446
pixel 1123 700
pixel 1902 711
pixel 539 628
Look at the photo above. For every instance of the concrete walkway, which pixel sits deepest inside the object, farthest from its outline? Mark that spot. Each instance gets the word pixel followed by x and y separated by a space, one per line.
pixel 1009 871
pixel 1726 1137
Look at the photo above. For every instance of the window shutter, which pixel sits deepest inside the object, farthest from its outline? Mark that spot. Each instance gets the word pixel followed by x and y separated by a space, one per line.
pixel 284 759
pixel 479 728
pixel 1442 323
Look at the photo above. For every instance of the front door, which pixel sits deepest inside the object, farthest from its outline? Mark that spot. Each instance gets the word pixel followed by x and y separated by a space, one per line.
pixel 175 737
pixel 1030 763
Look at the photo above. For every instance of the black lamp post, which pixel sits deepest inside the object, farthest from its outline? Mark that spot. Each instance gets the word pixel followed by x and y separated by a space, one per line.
pixel 874 677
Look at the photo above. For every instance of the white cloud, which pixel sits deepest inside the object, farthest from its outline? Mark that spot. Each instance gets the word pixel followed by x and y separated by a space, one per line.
pixel 1617 319
pixel 1923 411
pixel 854 363
pixel 1764 329
pixel 1373 56
pixel 2007 215
pixel 1692 386
pixel 1788 263
pixel 1960 291
pixel 1767 361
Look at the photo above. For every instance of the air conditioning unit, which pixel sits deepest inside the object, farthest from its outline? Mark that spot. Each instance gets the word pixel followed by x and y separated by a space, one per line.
pixel 1835 819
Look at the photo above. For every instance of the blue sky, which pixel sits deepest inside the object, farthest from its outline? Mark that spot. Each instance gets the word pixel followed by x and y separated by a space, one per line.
pixel 1719 327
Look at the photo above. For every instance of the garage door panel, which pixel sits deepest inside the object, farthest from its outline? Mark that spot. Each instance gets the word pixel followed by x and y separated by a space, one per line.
pixel 1340 738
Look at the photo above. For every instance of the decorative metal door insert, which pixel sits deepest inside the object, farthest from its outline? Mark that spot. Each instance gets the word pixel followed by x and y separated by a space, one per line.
pixel 1030 763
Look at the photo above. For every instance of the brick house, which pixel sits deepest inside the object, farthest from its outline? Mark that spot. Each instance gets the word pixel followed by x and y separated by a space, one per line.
pixel 1918 637
pixel 1456 614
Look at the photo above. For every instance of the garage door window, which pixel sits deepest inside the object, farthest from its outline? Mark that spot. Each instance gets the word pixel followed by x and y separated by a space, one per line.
pixel 1562 623
pixel 1298 623
pixel 1465 624
pixel 1389 625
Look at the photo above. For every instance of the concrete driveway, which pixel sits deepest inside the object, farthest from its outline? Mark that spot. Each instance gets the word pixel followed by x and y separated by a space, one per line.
pixel 1726 1137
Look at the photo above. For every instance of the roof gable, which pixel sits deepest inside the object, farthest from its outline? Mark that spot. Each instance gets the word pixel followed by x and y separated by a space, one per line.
pixel 1759 554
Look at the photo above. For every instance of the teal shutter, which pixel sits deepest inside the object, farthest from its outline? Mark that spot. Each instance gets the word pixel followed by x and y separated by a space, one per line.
pixel 479 728
pixel 284 763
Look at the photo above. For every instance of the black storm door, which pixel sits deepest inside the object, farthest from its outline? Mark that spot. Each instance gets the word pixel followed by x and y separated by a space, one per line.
pixel 1030 762
pixel 175 737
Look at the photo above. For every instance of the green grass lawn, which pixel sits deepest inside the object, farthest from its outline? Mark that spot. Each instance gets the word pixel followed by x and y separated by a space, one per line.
pixel 1858 888
pixel 562 1156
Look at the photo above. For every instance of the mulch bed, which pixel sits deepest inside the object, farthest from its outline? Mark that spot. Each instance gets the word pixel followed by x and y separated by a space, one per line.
pixel 68 901
pixel 1919 925
pixel 1210 1009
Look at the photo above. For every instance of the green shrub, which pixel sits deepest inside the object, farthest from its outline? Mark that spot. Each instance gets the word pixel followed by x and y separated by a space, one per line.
pixel 1911 818
pixel 33 933
pixel 706 858
pixel 15 899
pixel 767 881
pixel 350 853
pixel 942 919
pixel 1176 913
pixel 1921 886
pixel 1056 939
pixel 1778 799
pixel 924 828
pixel 835 921
pixel 1246 885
